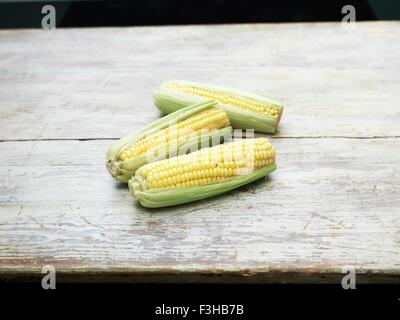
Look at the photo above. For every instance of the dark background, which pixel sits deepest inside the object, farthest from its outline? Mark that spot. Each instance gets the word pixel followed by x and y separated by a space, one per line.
pixel 27 14
pixel 138 301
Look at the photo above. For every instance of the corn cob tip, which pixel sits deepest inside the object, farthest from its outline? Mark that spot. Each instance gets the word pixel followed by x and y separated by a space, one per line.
pixel 110 167
pixel 113 167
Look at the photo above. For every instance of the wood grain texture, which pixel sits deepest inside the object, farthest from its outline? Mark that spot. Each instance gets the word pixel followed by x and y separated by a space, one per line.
pixel 333 202
pixel 343 82
pixel 330 204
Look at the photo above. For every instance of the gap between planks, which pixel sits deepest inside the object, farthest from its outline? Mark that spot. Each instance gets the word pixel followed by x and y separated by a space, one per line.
pixel 269 137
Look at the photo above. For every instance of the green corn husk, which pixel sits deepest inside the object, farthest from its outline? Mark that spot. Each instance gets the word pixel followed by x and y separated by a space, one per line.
pixel 204 173
pixel 169 100
pixel 124 170
pixel 158 198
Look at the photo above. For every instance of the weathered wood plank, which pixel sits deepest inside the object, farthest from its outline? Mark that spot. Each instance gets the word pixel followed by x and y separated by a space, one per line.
pixel 331 203
pixel 97 83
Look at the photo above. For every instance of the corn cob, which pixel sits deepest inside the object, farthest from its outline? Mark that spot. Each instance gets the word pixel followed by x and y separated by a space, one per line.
pixel 203 173
pixel 245 110
pixel 168 136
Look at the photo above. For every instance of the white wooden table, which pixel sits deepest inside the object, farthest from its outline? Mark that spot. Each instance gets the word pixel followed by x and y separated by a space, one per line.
pixel 333 202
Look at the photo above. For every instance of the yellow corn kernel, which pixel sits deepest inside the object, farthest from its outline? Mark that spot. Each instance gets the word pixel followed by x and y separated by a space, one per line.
pixel 209 120
pixel 224 98
pixel 209 165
